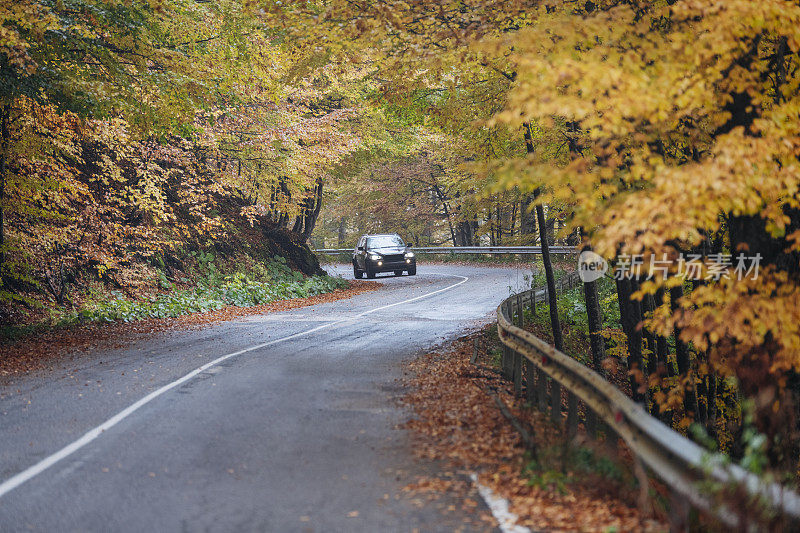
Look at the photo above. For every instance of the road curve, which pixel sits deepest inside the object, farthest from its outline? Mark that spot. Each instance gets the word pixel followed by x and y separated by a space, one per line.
pixel 278 422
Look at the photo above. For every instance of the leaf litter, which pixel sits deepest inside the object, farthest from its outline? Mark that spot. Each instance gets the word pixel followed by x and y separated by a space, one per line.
pixel 456 420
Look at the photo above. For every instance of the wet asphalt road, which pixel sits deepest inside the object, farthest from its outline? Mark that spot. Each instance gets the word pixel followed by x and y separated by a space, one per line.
pixel 295 433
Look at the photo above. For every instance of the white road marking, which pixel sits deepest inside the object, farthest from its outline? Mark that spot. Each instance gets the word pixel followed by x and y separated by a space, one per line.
pixel 32 471
pixel 506 520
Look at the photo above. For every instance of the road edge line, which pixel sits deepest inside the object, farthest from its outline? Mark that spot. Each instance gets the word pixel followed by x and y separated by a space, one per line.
pixel 506 520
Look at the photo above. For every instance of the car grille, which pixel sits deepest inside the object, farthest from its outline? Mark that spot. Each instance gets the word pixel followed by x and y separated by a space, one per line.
pixel 393 257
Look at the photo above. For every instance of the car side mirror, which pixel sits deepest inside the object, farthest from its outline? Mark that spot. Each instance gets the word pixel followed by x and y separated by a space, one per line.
pixel 360 248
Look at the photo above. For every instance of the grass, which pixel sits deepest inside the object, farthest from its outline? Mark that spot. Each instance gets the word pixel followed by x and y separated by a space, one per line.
pixel 574 321
pixel 263 284
pixel 559 464
pixel 213 289
pixel 237 290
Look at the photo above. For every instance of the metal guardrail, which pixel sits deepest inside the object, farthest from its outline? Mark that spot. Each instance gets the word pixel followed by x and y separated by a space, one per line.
pixel 560 250
pixel 679 462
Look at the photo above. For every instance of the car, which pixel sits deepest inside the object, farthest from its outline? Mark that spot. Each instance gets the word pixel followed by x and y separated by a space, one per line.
pixel 383 253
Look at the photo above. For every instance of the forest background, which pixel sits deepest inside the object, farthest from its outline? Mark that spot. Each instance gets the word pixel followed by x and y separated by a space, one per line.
pixel 142 143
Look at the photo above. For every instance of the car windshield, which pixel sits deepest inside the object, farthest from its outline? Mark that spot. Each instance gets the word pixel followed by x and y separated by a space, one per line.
pixel 384 241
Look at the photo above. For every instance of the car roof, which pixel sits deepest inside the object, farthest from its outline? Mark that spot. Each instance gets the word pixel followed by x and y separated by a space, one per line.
pixel 382 235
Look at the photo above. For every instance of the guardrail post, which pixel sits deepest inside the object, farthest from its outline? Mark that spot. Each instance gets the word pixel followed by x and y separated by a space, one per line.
pixel 590 422
pixel 572 414
pixel 612 439
pixel 517 373
pixel 530 382
pixel 678 512
pixel 508 364
pixel 541 389
pixel 555 401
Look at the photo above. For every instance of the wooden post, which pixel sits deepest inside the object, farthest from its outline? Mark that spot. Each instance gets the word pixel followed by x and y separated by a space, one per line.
pixel 572 414
pixel 505 364
pixel 678 513
pixel 590 422
pixel 541 386
pixel 555 401
pixel 612 439
pixel 517 372
pixel 530 382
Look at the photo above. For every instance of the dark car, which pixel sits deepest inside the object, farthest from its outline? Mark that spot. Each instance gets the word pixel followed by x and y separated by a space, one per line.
pixel 383 253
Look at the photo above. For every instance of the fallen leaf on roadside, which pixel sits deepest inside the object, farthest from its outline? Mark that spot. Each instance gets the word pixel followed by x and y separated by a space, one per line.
pixel 456 421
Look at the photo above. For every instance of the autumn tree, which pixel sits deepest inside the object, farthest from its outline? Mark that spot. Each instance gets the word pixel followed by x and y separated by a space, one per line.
pixel 86 59
pixel 687 116
pixel 125 124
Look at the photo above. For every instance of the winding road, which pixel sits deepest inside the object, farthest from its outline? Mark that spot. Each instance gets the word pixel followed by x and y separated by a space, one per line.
pixel 277 422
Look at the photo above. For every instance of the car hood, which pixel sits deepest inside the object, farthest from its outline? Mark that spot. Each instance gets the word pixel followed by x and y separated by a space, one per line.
pixel 389 251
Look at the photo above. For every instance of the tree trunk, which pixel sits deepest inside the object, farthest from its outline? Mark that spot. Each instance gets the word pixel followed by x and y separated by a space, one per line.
pixel 595 320
pixel 630 313
pixel 552 297
pixel 464 234
pixel 499 225
pixel 450 224
pixel 513 222
pixel 312 214
pixel 5 138
pixel 682 355
pixel 491 227
pixel 662 346
pixel 443 199
pixel 341 236
pixel 527 219
pixel 648 305
pixel 298 224
pixel 550 231
pixel 711 404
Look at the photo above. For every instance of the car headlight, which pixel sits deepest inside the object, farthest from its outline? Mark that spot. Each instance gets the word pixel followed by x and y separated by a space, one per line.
pixel 374 257
pixel 409 254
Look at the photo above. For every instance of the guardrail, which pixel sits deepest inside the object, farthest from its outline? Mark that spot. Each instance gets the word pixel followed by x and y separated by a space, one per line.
pixel 560 250
pixel 680 463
